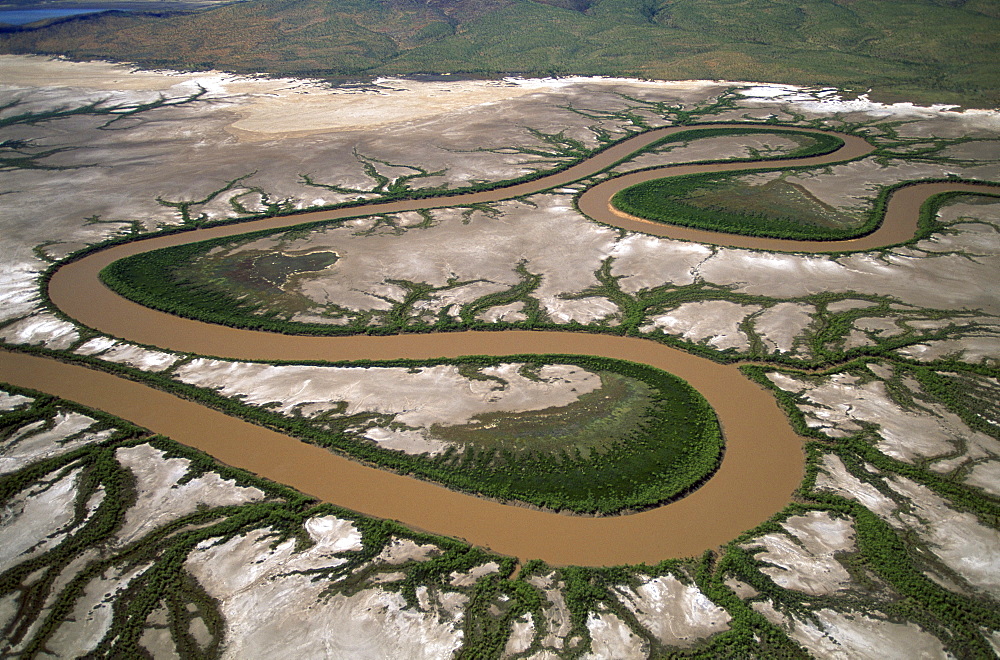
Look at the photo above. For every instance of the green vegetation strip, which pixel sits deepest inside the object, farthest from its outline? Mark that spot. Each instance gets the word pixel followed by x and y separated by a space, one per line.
pixel 816 144
pixel 48 585
pixel 661 200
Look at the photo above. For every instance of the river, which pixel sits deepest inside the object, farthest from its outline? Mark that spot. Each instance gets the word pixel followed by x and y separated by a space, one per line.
pixel 764 458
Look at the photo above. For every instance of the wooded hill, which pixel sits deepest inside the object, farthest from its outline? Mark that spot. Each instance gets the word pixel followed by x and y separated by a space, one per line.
pixel 920 50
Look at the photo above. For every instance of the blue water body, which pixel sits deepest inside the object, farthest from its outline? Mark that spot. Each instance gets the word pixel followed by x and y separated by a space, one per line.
pixel 22 16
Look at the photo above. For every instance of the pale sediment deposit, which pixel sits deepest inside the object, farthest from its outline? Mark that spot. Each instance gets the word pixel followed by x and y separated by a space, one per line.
pixel 834 634
pixel 129 354
pixel 274 608
pixel 38 519
pixel 966 548
pixel 162 496
pixel 414 399
pixel 37 441
pixel 841 404
pixel 675 613
pixel 612 638
pixel 805 558
pixel 716 323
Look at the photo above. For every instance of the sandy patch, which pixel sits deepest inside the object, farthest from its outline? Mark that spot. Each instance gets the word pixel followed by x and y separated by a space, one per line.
pixel 960 541
pixel 971 349
pixel 41 329
pixel 470 577
pixel 417 399
pixel 557 615
pixel 270 610
pixel 10 401
pixel 934 280
pixel 847 305
pixel 304 111
pixel 837 405
pixel 400 551
pixel 836 478
pixel 411 441
pixel 332 534
pixel 986 476
pixel 123 353
pixel 160 499
pixel 611 638
pixel 779 326
pixel 509 313
pixel 715 322
pixel 718 148
pixel 522 632
pixel 643 262
pixel 675 613
pixel 37 519
pixel 846 636
pixel 19 288
pixel 968 548
pixel 805 558
pixel 90 619
pixel 481 250
pixel 29 70
pixel 33 442
pixel 740 588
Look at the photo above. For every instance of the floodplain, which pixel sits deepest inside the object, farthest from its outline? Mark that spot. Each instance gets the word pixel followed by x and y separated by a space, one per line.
pixel 880 360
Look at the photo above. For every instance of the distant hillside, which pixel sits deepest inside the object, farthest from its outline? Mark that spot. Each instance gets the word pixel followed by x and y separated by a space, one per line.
pixel 923 50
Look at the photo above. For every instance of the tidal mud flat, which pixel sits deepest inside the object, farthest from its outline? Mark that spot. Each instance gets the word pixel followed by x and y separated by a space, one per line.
pixel 921 302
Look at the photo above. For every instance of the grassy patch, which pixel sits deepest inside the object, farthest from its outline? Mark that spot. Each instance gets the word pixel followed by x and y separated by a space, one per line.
pixel 724 203
pixel 645 438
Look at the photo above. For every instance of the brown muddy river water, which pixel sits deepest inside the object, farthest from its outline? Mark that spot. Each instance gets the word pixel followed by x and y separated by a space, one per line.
pixel 763 462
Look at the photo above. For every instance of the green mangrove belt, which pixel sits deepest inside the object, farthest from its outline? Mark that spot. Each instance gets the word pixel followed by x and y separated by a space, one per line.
pixel 670 445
